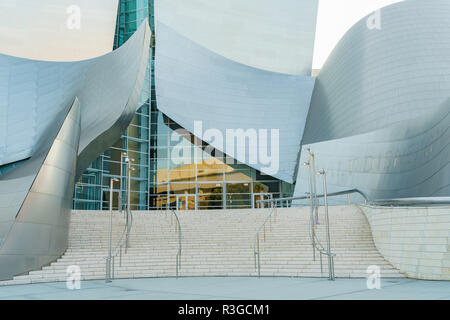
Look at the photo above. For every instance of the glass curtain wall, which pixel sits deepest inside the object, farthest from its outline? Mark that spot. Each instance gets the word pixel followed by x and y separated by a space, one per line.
pixel 166 176
pixel 92 189
pixel 184 176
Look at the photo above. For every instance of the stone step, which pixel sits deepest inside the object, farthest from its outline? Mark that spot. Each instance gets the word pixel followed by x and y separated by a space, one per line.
pixel 216 243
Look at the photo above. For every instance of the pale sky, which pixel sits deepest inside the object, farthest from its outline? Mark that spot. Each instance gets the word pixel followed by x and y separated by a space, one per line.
pixel 57 30
pixel 29 27
pixel 335 18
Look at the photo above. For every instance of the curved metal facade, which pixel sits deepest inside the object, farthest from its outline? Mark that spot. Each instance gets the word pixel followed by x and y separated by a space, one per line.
pixel 35 226
pixel 379 116
pixel 38 106
pixel 48 88
pixel 195 84
pixel 265 34
pixel 405 160
pixel 374 78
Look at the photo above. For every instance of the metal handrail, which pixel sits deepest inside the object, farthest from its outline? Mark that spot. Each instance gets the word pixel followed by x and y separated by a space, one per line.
pixel 117 251
pixel 180 236
pixel 256 251
pixel 120 241
pixel 333 194
pixel 411 202
pixel 320 248
pixel 312 195
pixel 378 202
pixel 317 245
pixel 129 225
pixel 256 247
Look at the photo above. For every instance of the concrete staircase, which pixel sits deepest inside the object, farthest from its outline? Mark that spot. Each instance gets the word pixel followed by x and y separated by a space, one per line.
pixel 216 243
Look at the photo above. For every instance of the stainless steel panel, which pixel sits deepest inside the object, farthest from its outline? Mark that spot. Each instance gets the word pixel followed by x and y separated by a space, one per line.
pixel 61 136
pixel 404 160
pixel 379 117
pixel 276 36
pixel 375 78
pixel 200 85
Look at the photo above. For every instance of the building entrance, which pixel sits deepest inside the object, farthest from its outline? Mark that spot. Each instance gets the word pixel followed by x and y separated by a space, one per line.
pixel 186 202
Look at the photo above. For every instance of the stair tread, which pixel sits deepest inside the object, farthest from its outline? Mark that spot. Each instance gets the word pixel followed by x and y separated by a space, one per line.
pixel 216 243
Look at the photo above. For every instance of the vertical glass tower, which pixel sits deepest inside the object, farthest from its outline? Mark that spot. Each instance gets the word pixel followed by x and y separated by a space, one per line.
pixel 92 189
pixel 157 181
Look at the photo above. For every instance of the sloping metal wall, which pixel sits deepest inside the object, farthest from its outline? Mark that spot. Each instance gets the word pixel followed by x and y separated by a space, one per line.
pixel 379 116
pixel 35 197
pixel 195 84
pixel 276 36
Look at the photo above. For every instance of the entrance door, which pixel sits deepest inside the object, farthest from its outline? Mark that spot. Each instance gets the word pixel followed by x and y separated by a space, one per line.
pixel 261 196
pixel 210 195
pixel 186 202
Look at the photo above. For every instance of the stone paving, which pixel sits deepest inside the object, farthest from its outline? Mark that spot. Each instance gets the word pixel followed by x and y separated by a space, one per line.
pixel 230 288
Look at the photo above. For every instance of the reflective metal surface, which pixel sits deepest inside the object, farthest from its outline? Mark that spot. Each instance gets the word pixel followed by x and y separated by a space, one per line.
pixel 38 232
pixel 379 117
pixel 405 160
pixel 47 90
pixel 196 84
pixel 276 36
pixel 38 104
pixel 374 78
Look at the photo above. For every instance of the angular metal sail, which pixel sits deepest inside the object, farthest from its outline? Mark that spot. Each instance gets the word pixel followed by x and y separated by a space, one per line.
pixel 37 233
pixel 49 139
pixel 196 84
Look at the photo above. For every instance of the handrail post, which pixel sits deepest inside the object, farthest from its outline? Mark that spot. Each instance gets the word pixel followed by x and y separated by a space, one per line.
pixel 108 270
pixel 129 217
pixel 275 216
pixel 108 260
pixel 119 199
pixel 308 164
pixel 330 258
pixel 321 265
pixel 128 212
pixel 120 255
pixel 178 256
pixel 314 186
pixel 270 223
pixel 313 227
pixel 123 156
pixel 262 228
pixel 332 264
pixel 259 261
pixel 128 227
pixel 113 267
pixel 274 203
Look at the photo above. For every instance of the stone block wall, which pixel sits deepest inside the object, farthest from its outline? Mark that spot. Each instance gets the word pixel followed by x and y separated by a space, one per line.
pixel 414 239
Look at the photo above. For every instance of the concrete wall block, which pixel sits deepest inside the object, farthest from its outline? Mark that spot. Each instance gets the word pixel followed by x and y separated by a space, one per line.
pixel 438 226
pixel 430 263
pixel 415 240
pixel 438 218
